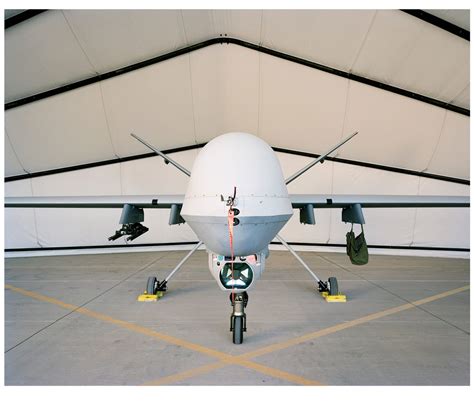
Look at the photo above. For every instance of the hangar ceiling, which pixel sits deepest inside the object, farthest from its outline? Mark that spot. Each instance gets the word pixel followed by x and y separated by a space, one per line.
pixel 193 97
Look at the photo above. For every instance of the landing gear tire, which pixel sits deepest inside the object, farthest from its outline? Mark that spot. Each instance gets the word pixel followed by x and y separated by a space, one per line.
pixel 333 287
pixel 238 332
pixel 151 285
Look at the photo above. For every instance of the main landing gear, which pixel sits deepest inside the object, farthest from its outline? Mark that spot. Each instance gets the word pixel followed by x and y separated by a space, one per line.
pixel 238 319
pixel 328 289
pixel 155 288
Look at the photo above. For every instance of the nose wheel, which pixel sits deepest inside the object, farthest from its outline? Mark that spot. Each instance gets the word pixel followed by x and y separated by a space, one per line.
pixel 238 319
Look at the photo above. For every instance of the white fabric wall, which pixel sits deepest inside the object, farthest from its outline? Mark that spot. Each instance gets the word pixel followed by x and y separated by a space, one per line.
pixel 83 227
pixel 386 45
pixel 223 88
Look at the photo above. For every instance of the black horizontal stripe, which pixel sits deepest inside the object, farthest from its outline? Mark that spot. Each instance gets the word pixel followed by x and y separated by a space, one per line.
pixel 276 149
pixel 111 74
pixel 239 42
pixel 378 166
pixel 20 17
pixel 64 248
pixel 401 247
pixel 98 164
pixel 440 23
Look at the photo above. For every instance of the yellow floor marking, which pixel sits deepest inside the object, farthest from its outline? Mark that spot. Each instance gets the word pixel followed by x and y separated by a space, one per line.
pixel 122 323
pixel 226 359
pixel 349 324
pixel 243 360
pixel 187 374
pixel 329 330
pixel 278 373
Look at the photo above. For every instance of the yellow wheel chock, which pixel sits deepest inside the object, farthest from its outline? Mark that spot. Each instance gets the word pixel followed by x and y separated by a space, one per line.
pixel 333 298
pixel 145 297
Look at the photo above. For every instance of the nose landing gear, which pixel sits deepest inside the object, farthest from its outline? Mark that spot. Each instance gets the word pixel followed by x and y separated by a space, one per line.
pixel 238 319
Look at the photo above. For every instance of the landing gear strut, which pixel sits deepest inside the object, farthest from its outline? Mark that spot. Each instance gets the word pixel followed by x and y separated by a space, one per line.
pixel 238 319
pixel 154 287
pixel 329 289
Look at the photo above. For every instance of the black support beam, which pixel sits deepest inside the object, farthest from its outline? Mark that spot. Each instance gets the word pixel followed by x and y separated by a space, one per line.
pixel 378 166
pixel 238 42
pixel 98 164
pixel 276 149
pixel 440 23
pixel 23 16
pixel 64 248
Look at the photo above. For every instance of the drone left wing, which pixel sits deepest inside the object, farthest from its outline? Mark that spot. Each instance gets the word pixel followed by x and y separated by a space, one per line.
pixel 132 208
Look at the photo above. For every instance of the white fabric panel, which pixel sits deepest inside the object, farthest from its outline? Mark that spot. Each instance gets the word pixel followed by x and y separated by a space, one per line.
pixel 225 90
pixel 394 47
pixel 155 103
pixel 104 180
pixel 241 24
pixel 383 226
pixel 198 25
pixel 63 130
pixel 300 108
pixel 405 52
pixel 152 176
pixel 67 227
pixel 330 37
pixel 315 181
pixel 42 54
pixel 208 96
pixel 452 153
pixel 393 130
pixel 115 38
pixel 457 17
pixel 205 24
pixel 438 64
pixel 442 227
pixel 215 90
pixel 20 229
pixel 388 43
pixel 12 165
pixel 463 97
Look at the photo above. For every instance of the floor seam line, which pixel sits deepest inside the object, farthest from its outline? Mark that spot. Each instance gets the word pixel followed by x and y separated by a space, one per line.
pixel 243 360
pixel 84 304
pixel 258 352
pixel 397 296
pixel 220 356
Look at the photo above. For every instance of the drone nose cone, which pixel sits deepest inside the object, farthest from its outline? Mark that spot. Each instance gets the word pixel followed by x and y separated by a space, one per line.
pixel 248 164
pixel 237 159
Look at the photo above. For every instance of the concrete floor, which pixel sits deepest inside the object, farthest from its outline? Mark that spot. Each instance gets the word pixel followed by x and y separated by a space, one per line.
pixel 114 340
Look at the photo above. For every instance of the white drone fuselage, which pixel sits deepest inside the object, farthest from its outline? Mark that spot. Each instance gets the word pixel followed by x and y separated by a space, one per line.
pixel 262 205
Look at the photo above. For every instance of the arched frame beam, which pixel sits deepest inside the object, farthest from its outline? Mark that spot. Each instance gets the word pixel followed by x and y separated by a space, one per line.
pixel 228 40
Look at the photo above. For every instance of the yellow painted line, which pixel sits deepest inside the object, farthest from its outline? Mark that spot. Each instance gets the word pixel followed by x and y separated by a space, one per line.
pixel 278 373
pixel 187 374
pixel 321 333
pixel 349 324
pixel 225 359
pixel 122 323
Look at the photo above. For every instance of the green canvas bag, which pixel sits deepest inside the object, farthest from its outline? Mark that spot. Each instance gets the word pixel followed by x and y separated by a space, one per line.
pixel 357 247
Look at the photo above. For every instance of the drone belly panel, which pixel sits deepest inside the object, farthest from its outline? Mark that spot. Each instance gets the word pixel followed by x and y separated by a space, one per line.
pixel 261 205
